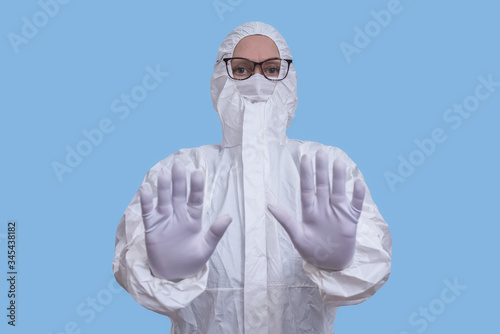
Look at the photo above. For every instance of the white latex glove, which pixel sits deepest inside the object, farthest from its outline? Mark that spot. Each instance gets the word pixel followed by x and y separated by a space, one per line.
pixel 175 244
pixel 327 235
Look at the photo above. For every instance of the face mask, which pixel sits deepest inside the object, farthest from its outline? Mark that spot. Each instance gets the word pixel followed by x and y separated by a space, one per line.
pixel 256 88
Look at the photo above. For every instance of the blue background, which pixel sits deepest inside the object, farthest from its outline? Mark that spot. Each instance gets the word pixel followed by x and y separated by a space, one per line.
pixel 443 218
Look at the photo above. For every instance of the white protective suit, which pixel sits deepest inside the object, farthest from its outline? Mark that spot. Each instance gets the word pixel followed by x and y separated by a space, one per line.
pixel 255 281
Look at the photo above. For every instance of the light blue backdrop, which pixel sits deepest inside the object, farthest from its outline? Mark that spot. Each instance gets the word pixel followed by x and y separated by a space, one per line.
pixel 370 84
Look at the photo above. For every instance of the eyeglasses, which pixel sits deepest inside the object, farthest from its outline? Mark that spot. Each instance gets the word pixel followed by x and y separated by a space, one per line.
pixel 274 69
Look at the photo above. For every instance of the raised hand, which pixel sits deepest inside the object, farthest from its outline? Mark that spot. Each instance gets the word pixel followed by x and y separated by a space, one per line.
pixel 326 237
pixel 175 244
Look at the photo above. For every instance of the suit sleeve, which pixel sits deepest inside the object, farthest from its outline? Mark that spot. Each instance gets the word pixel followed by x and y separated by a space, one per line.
pixel 371 265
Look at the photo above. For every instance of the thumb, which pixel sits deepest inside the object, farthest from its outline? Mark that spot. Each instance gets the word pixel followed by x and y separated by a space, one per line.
pixel 289 223
pixel 216 231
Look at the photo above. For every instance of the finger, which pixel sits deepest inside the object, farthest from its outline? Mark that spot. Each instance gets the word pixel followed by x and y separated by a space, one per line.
pixel 289 223
pixel 165 192
pixel 146 195
pixel 306 183
pixel 338 178
pixel 217 230
pixel 195 202
pixel 178 183
pixel 322 180
pixel 358 196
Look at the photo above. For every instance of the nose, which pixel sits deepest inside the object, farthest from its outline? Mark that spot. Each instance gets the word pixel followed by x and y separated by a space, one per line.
pixel 258 70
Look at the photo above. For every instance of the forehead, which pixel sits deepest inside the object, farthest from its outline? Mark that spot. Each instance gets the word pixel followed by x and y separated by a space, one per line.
pixel 256 48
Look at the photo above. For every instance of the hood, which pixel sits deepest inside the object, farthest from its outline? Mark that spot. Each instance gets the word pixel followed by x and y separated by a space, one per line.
pixel 275 114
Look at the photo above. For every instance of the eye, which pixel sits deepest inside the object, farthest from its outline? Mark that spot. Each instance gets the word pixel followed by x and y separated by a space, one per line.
pixel 240 70
pixel 272 68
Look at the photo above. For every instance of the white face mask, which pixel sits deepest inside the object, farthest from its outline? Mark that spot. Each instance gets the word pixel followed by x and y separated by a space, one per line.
pixel 256 88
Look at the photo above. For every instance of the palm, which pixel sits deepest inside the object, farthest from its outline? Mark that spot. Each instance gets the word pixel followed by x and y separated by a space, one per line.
pixel 327 235
pixel 175 244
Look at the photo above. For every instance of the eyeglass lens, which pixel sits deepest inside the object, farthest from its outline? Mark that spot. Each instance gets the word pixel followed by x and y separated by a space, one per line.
pixel 271 69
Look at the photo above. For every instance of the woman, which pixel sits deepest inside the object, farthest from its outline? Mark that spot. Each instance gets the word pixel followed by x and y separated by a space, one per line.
pixel 264 242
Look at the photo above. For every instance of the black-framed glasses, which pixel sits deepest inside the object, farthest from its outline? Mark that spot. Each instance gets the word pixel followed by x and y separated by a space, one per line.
pixel 274 69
